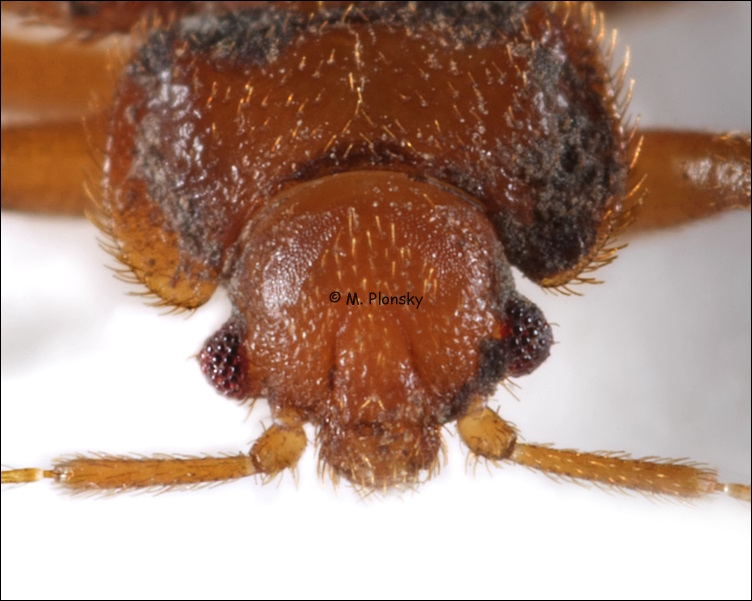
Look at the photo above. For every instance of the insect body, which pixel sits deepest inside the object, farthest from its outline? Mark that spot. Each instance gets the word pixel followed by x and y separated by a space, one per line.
pixel 370 192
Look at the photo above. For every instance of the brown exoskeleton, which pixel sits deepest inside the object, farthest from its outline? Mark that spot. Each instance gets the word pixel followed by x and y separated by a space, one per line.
pixel 140 392
pixel 547 175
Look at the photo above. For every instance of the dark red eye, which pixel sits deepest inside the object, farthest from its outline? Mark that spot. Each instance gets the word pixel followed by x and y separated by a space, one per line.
pixel 223 361
pixel 528 338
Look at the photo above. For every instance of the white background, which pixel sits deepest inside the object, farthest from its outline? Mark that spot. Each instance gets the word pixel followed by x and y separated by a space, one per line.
pixel 655 362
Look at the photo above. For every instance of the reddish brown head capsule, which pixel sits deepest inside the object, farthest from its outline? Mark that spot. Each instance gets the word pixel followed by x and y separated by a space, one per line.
pixel 223 360
pixel 363 210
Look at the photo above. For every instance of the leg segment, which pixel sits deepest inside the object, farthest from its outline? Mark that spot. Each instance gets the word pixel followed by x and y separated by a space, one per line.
pixel 55 80
pixel 45 165
pixel 47 152
pixel 690 175
pixel 279 448
pixel 487 435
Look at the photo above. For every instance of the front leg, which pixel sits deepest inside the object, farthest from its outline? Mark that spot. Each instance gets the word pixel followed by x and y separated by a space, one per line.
pixel 689 175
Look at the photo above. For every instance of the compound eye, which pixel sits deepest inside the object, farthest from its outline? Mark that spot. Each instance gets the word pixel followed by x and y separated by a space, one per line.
pixel 223 360
pixel 527 336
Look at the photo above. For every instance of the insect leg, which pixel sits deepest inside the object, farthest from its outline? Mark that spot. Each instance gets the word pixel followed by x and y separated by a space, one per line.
pixel 44 165
pixel 690 175
pixel 54 80
pixel 47 89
